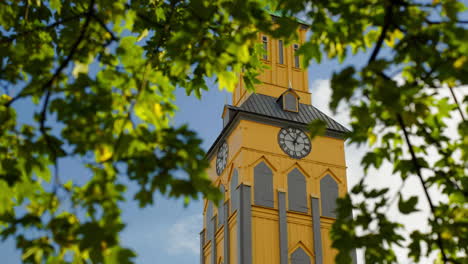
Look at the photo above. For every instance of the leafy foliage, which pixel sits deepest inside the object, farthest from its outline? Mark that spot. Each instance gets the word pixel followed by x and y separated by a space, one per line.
pixel 102 76
pixel 105 72
pixel 401 101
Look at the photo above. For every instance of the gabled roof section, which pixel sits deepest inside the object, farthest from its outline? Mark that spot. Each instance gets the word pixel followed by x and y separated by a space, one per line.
pixel 267 106
pixel 291 91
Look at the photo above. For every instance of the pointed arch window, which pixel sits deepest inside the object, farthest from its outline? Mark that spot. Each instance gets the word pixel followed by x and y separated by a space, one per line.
pixel 297 191
pixel 208 225
pixel 221 207
pixel 329 194
pixel 263 185
pixel 299 256
pixel 234 192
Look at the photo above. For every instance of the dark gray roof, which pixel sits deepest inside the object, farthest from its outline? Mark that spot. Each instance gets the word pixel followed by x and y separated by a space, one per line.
pixel 267 106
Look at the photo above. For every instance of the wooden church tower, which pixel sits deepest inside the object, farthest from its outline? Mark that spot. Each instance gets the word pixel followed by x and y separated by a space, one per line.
pixel 280 187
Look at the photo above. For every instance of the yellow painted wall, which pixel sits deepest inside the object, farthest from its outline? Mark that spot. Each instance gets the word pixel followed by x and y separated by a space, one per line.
pixel 219 245
pixel 300 231
pixel 277 76
pixel 329 253
pixel 207 252
pixel 264 235
pixel 233 239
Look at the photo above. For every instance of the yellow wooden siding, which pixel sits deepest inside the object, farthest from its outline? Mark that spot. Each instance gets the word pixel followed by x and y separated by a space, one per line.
pixel 219 244
pixel 300 230
pixel 207 253
pixel 329 252
pixel 265 238
pixel 277 76
pixel 233 239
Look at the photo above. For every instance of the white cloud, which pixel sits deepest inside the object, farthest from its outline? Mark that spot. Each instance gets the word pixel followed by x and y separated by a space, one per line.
pixel 321 94
pixel 183 236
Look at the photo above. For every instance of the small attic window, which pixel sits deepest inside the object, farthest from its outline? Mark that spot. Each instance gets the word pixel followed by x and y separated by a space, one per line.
pixel 290 102
pixel 265 47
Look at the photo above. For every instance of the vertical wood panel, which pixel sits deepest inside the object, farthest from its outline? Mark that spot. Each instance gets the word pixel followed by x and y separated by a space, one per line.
pixel 233 241
pixel 265 241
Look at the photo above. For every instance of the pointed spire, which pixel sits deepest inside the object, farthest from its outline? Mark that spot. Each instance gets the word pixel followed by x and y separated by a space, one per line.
pixel 290 85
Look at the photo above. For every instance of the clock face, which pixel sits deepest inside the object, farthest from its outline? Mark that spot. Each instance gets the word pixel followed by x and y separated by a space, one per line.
pixel 221 158
pixel 294 142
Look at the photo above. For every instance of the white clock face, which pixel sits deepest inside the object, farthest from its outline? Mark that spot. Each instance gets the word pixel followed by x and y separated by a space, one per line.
pixel 221 158
pixel 294 142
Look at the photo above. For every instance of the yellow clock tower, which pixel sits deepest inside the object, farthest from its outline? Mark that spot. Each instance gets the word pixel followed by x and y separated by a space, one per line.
pixel 279 186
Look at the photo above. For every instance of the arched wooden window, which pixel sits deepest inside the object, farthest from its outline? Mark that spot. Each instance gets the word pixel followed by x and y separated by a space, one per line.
pixel 221 207
pixel 263 185
pixel 234 191
pixel 299 256
pixel 329 194
pixel 297 191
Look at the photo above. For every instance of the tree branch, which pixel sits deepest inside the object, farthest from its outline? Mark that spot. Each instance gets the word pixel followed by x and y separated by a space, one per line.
pixel 46 87
pixel 47 27
pixel 144 79
pixel 431 22
pixel 456 102
pixel 380 40
pixel 445 154
pixel 423 182
pixel 103 25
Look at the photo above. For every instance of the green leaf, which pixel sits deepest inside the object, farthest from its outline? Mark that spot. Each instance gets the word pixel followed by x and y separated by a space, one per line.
pixel 227 80
pixel 80 68
pixel 142 35
pixel 56 4
pixel 408 206
pixel 317 128
pixel 118 255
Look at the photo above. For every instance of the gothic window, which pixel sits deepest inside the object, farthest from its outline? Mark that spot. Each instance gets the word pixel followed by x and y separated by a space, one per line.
pixel 221 207
pixel 263 185
pixel 208 225
pixel 297 192
pixel 329 194
pixel 296 56
pixel 234 192
pixel 280 52
pixel 299 256
pixel 265 47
